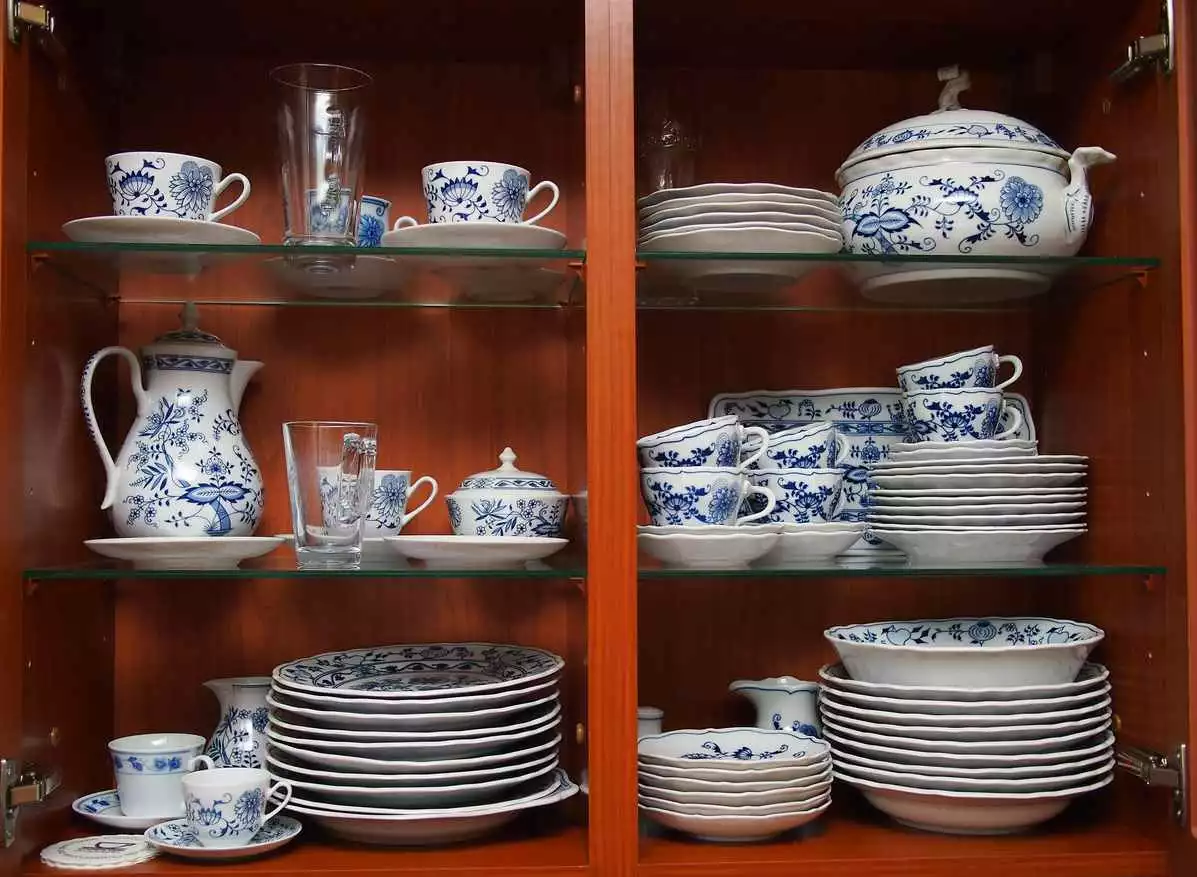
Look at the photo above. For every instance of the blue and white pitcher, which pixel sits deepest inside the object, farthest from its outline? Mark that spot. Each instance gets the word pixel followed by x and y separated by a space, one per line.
pixel 185 468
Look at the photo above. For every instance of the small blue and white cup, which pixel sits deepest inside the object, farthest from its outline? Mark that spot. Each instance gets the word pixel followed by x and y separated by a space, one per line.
pixel 331 217
pixel 958 415
pixel 717 441
pixel 167 184
pixel 373 220
pixel 393 488
pixel 150 769
pixel 968 368
pixel 696 496
pixel 800 447
pixel 227 806
pixel 801 496
pixel 480 191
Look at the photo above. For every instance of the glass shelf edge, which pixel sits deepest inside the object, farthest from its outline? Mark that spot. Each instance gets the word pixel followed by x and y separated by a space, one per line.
pixel 80 247
pixel 894 570
pixel 112 573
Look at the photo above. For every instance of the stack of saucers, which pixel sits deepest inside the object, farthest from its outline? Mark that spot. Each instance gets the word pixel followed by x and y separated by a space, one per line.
pixel 969 725
pixel 418 744
pixel 733 784
pixel 741 218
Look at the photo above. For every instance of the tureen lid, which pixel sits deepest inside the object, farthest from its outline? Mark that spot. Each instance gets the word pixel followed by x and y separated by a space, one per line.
pixel 952 125
pixel 190 335
pixel 507 477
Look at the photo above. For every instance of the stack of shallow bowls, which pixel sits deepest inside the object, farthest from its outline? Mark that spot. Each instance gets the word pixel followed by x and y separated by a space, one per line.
pixel 418 744
pixel 969 725
pixel 722 218
pixel 733 784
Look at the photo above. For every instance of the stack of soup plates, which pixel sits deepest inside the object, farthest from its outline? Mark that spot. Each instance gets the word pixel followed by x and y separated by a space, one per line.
pixel 733 784
pixel 739 218
pixel 969 725
pixel 961 492
pixel 418 744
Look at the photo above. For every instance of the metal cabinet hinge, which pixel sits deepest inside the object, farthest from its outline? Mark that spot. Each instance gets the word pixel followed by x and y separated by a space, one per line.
pixel 23 15
pixel 1171 772
pixel 18 788
pixel 1156 50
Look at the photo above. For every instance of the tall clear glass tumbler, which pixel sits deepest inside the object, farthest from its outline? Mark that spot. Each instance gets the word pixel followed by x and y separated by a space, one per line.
pixel 330 479
pixel 322 138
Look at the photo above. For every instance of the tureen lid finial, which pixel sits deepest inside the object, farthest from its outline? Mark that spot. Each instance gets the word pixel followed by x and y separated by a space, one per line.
pixel 507 460
pixel 955 81
pixel 189 331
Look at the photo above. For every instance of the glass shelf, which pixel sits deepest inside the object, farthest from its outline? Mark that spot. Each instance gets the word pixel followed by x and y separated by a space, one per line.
pixel 867 567
pixel 271 274
pixel 847 281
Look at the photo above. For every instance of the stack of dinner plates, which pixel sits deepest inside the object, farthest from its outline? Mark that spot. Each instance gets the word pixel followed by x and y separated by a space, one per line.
pixel 418 744
pixel 969 725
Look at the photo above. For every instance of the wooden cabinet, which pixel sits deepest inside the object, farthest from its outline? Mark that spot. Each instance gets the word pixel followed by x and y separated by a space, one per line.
pixel 570 375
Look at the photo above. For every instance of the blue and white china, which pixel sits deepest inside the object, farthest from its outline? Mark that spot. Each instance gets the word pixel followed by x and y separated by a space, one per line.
pixel 968 368
pixel 480 191
pixel 396 827
pixel 507 502
pixel 688 194
pixel 959 546
pixel 737 749
pixel 400 708
pixel 102 851
pixel 802 496
pixel 169 185
pixel 331 220
pixel 1091 678
pixel 958 415
pixel 240 736
pixel 802 447
pixel 227 806
pixel 737 825
pixel 331 738
pixel 185 468
pixel 812 544
pixel 825 206
pixel 419 671
pixel 179 839
pixel 700 495
pixel 963 652
pixel 158 230
pixel 428 763
pixel 388 504
pixel 794 799
pixel 105 808
pixel 966 183
pixel 782 703
pixel 728 548
pixel 476 552
pixel 373 220
pixel 716 441
pixel 185 552
pixel 149 771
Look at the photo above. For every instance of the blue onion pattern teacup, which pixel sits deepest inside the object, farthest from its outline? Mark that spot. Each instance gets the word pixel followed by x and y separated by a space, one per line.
pixel 801 447
pixel 801 496
pixel 693 496
pixel 388 512
pixel 958 415
pixel 166 184
pixel 716 441
pixel 227 806
pixel 480 191
pixel 373 220
pixel 149 771
pixel 968 368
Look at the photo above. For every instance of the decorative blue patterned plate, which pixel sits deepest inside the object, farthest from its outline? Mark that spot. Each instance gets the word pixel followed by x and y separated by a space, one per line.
pixel 177 838
pixel 419 671
pixel 105 808
pixel 734 748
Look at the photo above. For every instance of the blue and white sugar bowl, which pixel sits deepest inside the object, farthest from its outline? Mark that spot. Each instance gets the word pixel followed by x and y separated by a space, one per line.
pixel 507 502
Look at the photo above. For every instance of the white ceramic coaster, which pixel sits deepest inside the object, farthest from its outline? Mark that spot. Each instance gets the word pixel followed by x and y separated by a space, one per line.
pixel 99 853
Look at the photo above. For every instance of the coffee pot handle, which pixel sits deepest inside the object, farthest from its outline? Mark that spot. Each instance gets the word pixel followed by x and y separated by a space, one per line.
pixel 89 413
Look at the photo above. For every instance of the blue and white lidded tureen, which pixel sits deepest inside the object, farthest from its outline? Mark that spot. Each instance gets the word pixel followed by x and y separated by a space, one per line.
pixel 507 502
pixel 966 182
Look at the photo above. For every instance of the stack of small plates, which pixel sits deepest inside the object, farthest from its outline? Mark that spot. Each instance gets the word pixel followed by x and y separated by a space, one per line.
pixel 739 218
pixel 418 744
pixel 733 784
pixel 977 502
pixel 969 725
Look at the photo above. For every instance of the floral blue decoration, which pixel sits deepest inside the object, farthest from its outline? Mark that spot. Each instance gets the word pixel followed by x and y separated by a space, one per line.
pixel 712 751
pixel 974 632
pixel 233 743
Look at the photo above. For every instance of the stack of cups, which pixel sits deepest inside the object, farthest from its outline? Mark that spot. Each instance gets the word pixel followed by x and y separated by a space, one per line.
pixel 799 467
pixel 956 398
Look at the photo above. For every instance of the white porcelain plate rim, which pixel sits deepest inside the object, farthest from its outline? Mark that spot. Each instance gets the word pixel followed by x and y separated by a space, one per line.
pixel 112 815
pixel 395 765
pixel 1027 519
pixel 156 230
pixel 467 701
pixel 499 235
pixel 382 737
pixel 980 796
pixel 1049 717
pixel 1037 460
pixel 756 239
pixel 976 759
pixel 348 747
pixel 433 791
pixel 1095 674
pixel 697 191
pixel 1019 785
pixel 496 772
pixel 292 826
pixel 385 718
pixel 1048 770
pixel 957 747
pixel 770 202
pixel 963 707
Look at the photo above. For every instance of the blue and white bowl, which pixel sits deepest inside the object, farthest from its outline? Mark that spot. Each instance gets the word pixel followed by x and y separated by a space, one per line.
pixel 802 496
pixel 962 415
pixel 717 441
pixel 966 652
pixel 507 502
pixel 803 447
pixel 736 749
pixel 700 495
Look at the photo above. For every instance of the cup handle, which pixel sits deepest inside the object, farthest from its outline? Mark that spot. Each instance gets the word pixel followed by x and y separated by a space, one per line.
pixel 1016 363
pixel 237 202
pixel 534 191
pixel 404 222
pixel 201 761
pixel 269 814
pixel 1006 406
pixel 432 489
pixel 770 502
pixel 764 434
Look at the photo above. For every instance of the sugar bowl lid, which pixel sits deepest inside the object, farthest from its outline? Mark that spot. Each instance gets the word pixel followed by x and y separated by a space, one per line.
pixel 953 125
pixel 507 477
pixel 190 338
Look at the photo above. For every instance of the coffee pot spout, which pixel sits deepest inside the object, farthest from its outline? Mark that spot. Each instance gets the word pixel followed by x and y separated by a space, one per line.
pixel 1078 203
pixel 243 370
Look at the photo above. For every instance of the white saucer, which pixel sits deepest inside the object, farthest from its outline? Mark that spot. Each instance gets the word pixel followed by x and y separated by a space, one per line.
pixel 185 552
pixel 156 230
pixel 340 275
pixel 500 235
pixel 105 808
pixel 735 549
pixel 176 838
pixel 958 285
pixel 811 543
pixel 98 853
pixel 476 552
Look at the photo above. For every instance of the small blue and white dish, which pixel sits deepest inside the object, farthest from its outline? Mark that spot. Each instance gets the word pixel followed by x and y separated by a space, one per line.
pixel 178 839
pixel 736 749
pixel 105 809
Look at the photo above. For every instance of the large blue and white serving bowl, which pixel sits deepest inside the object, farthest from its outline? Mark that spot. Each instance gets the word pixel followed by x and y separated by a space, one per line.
pixel 737 749
pixel 966 652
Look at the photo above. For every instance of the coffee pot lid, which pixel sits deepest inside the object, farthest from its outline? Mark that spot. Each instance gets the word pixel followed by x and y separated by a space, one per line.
pixel 507 477
pixel 190 335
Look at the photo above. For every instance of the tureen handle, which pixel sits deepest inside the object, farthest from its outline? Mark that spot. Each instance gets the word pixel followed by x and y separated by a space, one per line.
pixel 955 81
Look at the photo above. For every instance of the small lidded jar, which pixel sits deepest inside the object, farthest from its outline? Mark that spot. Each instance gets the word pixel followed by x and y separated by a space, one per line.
pixel 507 502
